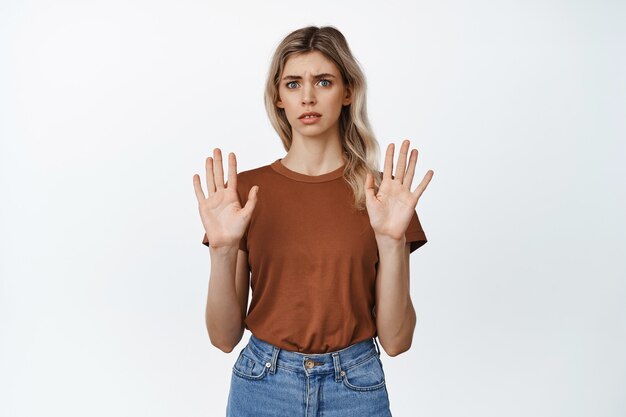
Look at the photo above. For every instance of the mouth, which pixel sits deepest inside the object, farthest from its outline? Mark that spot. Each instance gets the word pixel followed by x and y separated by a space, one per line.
pixel 309 115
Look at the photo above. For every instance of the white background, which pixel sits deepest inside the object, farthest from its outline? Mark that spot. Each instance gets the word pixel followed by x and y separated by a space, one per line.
pixel 108 108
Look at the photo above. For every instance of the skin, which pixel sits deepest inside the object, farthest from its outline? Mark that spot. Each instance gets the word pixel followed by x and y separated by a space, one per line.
pixel 390 211
pixel 316 149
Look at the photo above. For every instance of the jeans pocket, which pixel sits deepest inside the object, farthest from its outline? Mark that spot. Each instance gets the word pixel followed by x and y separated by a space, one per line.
pixel 365 376
pixel 249 365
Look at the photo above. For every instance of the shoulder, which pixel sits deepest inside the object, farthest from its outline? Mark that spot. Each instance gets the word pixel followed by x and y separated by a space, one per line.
pixel 254 174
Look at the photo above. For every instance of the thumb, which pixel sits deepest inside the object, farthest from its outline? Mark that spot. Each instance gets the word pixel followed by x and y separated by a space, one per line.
pixel 369 186
pixel 251 203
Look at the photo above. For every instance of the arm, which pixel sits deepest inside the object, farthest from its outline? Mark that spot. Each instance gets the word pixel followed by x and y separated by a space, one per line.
pixel 390 210
pixel 395 315
pixel 227 297
pixel 225 223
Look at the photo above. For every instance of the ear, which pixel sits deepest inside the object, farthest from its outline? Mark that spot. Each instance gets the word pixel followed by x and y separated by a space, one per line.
pixel 348 96
pixel 279 103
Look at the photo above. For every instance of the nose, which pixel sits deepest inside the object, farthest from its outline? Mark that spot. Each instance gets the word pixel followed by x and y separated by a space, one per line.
pixel 308 96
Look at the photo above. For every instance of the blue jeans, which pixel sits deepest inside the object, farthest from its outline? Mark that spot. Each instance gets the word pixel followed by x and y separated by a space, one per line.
pixel 268 381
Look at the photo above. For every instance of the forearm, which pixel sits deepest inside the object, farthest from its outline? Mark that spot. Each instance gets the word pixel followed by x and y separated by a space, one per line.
pixel 395 315
pixel 223 314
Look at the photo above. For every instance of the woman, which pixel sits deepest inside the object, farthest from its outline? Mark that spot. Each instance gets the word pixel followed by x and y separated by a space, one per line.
pixel 327 241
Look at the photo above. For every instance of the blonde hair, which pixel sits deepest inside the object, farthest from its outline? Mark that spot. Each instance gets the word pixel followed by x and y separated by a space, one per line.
pixel 359 144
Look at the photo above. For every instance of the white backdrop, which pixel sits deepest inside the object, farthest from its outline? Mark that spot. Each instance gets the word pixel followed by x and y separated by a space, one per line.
pixel 108 108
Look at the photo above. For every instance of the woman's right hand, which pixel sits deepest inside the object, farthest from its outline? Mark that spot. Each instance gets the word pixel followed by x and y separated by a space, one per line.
pixel 223 218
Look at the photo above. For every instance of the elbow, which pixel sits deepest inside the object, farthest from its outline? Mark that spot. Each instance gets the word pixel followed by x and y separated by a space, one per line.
pixel 219 342
pixel 224 342
pixel 397 347
pixel 397 350
pixel 224 347
pixel 216 338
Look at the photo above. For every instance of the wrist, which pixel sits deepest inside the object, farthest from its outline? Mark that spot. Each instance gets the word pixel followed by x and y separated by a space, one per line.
pixel 389 241
pixel 224 250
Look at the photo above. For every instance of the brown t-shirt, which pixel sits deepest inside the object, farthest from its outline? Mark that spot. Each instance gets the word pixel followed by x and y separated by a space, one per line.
pixel 313 260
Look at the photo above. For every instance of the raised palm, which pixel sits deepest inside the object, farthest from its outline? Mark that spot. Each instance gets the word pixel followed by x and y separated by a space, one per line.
pixel 390 210
pixel 223 218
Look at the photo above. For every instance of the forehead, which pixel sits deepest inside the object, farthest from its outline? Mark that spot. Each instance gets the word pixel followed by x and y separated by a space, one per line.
pixel 313 62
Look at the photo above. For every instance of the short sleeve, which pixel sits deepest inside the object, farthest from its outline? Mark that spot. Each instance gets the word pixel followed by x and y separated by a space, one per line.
pixel 415 234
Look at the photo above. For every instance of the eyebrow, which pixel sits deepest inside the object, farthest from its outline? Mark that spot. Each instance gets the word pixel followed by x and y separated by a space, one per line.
pixel 318 76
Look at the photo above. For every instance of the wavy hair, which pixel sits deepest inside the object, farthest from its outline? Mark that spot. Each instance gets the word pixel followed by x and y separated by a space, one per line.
pixel 358 141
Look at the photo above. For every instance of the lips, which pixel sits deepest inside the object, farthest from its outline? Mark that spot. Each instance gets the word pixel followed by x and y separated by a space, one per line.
pixel 310 113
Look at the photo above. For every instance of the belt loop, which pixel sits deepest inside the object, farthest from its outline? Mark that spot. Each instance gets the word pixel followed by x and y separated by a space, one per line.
pixel 377 347
pixel 274 359
pixel 337 365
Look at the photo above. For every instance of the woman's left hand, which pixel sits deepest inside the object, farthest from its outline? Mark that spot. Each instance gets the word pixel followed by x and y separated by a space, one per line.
pixel 390 210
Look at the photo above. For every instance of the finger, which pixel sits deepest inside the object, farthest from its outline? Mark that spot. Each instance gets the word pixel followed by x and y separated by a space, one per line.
pixel 251 203
pixel 388 161
pixel 218 169
pixel 401 167
pixel 408 179
pixel 210 183
pixel 232 171
pixel 369 185
pixel 198 188
pixel 423 184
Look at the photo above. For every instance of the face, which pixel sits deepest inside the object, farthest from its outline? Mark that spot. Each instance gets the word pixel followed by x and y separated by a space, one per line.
pixel 310 82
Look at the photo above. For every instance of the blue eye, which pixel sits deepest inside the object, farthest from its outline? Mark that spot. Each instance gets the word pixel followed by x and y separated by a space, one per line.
pixel 322 80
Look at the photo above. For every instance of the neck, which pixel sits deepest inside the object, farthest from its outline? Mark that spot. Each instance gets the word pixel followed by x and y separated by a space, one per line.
pixel 314 156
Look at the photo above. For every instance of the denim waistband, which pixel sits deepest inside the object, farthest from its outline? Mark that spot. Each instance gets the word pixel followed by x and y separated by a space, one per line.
pixel 314 363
